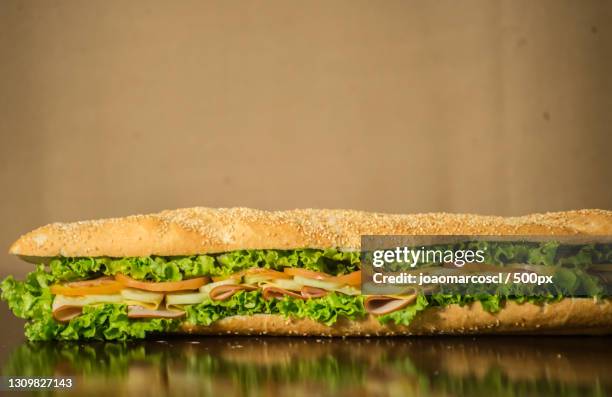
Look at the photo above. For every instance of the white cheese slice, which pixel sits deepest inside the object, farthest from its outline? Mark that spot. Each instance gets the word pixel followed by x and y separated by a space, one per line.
pixel 80 301
pixel 146 299
pixel 176 301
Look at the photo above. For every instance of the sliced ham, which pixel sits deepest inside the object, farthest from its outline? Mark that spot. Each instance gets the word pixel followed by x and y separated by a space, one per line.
pixel 383 304
pixel 223 292
pixel 277 292
pixel 141 312
pixel 66 313
pixel 313 292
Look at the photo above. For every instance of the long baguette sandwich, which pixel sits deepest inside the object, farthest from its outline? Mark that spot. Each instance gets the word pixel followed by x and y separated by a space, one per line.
pixel 250 272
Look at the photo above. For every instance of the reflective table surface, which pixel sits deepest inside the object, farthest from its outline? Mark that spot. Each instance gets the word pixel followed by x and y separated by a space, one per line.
pixel 240 366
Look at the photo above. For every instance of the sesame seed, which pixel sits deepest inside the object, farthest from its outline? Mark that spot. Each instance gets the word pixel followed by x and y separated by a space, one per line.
pixel 207 230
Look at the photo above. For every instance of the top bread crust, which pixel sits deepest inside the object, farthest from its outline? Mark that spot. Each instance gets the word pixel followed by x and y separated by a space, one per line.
pixel 200 230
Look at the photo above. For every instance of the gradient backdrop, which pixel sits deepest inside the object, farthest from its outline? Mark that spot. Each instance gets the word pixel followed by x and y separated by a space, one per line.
pixel 109 108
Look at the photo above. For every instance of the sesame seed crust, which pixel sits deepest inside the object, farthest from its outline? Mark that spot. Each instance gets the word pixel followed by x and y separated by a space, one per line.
pixel 200 230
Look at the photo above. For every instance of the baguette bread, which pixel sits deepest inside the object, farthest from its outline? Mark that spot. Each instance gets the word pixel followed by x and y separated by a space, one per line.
pixel 205 230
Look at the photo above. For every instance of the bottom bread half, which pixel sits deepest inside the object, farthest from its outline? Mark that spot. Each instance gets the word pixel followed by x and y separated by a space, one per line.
pixel 579 316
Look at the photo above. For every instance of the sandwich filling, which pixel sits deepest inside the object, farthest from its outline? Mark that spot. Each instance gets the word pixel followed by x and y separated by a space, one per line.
pixel 124 298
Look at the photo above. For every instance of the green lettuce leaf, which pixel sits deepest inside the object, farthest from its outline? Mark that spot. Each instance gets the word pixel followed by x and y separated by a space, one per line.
pixel 332 261
pixel 329 261
pixel 110 322
pixel 31 299
pixel 546 253
pixel 326 310
pixel 157 268
pixel 491 303
pixel 241 303
pixel 407 314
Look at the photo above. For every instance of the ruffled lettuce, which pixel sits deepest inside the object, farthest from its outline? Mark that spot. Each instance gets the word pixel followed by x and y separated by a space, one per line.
pixel 327 310
pixel 157 268
pixel 331 261
pixel 110 322
pixel 546 253
pixel 567 282
pixel 241 303
pixel 490 303
pixel 407 314
pixel 541 253
pixel 31 299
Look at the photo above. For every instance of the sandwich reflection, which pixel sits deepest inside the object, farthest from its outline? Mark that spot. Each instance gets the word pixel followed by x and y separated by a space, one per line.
pixel 559 366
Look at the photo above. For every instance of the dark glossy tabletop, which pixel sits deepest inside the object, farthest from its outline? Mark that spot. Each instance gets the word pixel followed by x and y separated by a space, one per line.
pixel 448 366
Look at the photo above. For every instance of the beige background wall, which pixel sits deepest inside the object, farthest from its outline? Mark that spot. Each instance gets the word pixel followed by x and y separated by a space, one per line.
pixel 116 107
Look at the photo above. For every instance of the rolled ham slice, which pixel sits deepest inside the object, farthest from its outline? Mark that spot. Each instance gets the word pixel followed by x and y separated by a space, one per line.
pixel 223 292
pixel 277 292
pixel 313 292
pixel 66 313
pixel 383 304
pixel 142 312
